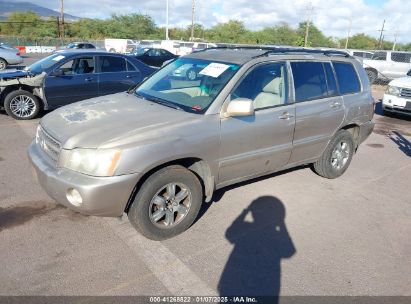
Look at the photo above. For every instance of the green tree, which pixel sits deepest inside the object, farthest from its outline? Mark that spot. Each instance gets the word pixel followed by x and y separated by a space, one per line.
pixel 315 37
pixel 232 31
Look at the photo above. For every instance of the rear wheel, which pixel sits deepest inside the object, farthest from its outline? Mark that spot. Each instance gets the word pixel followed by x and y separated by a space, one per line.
pixel 167 203
pixel 337 156
pixel 191 74
pixel 372 75
pixel 22 105
pixel 3 64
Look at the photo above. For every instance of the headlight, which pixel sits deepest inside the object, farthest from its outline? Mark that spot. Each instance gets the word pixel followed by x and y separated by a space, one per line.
pixel 393 90
pixel 93 162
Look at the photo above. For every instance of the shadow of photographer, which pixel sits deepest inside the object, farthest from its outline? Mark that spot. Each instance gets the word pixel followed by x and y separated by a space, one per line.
pixel 254 265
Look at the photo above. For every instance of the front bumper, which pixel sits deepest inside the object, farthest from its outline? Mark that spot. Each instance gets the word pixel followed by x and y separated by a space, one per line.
pixel 103 196
pixel 365 131
pixel 396 104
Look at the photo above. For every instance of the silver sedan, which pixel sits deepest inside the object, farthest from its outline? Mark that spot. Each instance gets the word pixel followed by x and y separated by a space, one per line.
pixel 9 56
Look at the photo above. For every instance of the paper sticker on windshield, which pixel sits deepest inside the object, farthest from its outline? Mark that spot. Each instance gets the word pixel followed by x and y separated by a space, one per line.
pixel 214 69
pixel 58 58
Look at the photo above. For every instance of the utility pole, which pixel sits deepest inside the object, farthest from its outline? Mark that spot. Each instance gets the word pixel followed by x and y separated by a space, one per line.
pixel 310 10
pixel 192 19
pixel 167 37
pixel 348 33
pixel 62 18
pixel 395 39
pixel 381 37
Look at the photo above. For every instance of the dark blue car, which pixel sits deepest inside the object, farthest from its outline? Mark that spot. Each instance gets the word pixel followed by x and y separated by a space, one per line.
pixel 67 77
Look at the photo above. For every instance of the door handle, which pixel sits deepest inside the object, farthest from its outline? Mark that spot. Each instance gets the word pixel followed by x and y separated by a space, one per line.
pixel 336 104
pixel 129 76
pixel 285 115
pixel 88 79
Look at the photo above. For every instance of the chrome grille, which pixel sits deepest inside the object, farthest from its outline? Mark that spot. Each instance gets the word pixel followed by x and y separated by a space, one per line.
pixel 48 145
pixel 405 93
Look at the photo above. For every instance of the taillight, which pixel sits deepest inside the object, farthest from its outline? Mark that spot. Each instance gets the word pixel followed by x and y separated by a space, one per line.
pixel 18 54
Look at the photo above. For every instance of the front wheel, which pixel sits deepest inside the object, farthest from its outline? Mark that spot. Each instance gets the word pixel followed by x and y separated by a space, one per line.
pixel 167 203
pixel 21 105
pixel 191 74
pixel 337 156
pixel 3 64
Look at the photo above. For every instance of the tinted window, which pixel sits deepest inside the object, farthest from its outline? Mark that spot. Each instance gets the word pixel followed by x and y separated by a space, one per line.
pixel 401 57
pixel 81 65
pixel 331 83
pixel 266 85
pixel 347 78
pixel 309 80
pixel 379 56
pixel 113 64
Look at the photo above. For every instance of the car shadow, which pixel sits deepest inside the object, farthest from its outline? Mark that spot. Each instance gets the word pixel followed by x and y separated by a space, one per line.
pixel 261 240
pixel 218 194
pixel 403 144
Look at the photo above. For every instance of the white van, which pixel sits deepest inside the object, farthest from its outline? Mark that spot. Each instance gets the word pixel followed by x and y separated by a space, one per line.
pixel 123 46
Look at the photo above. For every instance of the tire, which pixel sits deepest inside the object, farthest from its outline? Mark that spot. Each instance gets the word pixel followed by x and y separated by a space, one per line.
pixel 22 105
pixel 3 64
pixel 372 75
pixel 150 212
pixel 332 163
pixel 191 74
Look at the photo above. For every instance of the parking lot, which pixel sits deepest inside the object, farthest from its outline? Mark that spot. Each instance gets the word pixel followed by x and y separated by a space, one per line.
pixel 292 232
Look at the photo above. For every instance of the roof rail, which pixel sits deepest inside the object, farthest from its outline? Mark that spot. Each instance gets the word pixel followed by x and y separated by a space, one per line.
pixel 270 50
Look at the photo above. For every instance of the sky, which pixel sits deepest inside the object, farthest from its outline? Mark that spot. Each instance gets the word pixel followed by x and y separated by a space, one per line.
pixel 332 17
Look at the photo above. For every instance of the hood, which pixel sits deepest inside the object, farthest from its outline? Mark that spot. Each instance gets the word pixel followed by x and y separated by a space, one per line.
pixel 111 121
pixel 10 74
pixel 403 82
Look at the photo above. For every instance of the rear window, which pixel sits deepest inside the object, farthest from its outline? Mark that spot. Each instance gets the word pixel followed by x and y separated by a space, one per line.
pixel 309 80
pixel 347 78
pixel 113 64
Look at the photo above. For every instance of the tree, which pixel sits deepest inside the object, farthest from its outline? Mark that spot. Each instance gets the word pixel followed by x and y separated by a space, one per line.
pixel 232 31
pixel 315 37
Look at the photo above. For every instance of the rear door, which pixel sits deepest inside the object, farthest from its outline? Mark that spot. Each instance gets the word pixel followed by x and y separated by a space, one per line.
pixel 116 74
pixel 78 82
pixel 319 108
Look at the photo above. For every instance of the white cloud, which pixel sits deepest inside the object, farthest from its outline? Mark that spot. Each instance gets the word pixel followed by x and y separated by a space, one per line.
pixel 331 16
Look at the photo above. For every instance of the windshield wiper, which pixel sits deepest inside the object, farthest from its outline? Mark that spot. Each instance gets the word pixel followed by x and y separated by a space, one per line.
pixel 164 102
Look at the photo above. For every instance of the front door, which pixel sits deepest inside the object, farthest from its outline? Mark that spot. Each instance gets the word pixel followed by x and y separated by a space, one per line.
pixel 78 81
pixel 261 143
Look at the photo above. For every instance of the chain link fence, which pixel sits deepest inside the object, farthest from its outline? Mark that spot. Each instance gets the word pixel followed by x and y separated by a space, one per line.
pixel 45 41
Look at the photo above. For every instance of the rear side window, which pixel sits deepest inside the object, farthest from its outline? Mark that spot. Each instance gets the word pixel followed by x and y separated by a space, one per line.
pixel 347 78
pixel 309 80
pixel 112 64
pixel 379 56
pixel 331 83
pixel 401 57
pixel 131 67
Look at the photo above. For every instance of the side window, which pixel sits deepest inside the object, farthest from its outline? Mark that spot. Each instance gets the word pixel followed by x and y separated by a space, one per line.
pixel 266 85
pixel 331 83
pixel 400 57
pixel 347 78
pixel 112 64
pixel 81 65
pixel 379 56
pixel 309 80
pixel 131 67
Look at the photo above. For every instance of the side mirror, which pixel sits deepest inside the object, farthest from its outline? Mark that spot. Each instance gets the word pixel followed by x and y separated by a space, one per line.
pixel 240 107
pixel 57 72
pixel 409 73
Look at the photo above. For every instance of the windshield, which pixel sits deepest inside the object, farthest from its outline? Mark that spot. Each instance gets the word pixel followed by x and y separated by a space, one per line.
pixel 188 84
pixel 140 51
pixel 39 66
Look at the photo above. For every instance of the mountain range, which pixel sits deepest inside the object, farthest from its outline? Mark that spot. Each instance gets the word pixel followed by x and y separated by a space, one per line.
pixel 8 7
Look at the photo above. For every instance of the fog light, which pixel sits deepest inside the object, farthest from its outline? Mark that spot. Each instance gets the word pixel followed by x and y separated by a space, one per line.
pixel 74 197
pixel 389 101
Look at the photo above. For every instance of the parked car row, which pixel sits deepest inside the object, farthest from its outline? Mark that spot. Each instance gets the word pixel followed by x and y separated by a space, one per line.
pixel 67 77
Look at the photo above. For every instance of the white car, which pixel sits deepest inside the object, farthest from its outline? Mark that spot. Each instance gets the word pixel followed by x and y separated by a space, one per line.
pixel 397 98
pixel 387 65
pixel 9 56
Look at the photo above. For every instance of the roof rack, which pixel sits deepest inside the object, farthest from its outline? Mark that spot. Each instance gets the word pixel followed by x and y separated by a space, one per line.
pixel 270 50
